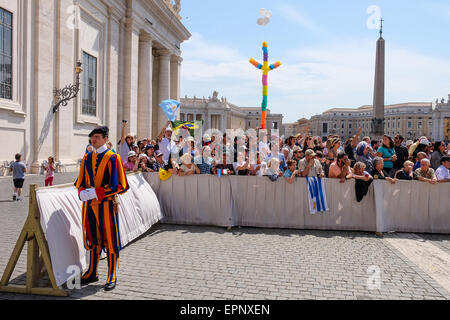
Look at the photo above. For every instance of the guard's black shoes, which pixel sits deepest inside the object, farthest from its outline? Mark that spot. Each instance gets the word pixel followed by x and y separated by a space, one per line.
pixel 110 286
pixel 91 279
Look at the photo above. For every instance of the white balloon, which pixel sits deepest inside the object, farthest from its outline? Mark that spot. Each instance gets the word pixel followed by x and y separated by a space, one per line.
pixel 262 11
pixel 268 14
pixel 260 21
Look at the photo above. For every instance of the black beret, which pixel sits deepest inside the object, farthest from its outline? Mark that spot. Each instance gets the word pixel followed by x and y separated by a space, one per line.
pixel 101 130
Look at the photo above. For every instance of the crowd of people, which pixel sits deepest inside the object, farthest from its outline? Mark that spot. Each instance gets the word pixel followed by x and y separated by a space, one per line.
pixel 296 156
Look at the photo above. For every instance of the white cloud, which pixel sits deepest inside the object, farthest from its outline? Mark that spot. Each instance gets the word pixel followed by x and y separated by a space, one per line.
pixel 312 80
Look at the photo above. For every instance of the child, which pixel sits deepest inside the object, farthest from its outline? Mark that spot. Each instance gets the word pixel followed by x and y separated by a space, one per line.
pixel 18 169
pixel 49 170
pixel 291 171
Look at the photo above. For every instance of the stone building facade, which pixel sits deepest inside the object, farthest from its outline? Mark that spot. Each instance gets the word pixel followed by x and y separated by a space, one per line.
pixel 221 114
pixel 130 50
pixel 441 120
pixel 411 120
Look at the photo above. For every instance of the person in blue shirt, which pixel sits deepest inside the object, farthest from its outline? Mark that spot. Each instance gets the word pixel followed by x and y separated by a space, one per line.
pixel 387 152
pixel 291 172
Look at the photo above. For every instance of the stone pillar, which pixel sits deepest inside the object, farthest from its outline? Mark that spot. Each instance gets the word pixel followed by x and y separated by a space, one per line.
pixel 144 121
pixel 175 72
pixel 43 73
pixel 163 56
pixel 112 112
pixel 378 98
pixel 130 85
pixel 64 75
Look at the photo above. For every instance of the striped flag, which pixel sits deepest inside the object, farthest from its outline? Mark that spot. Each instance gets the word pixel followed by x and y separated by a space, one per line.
pixel 316 195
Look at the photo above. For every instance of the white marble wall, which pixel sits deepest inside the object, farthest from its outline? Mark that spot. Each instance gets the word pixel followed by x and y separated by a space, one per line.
pixel 121 35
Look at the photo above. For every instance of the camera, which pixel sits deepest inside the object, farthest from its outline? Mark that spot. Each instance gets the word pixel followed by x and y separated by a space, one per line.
pixel 124 121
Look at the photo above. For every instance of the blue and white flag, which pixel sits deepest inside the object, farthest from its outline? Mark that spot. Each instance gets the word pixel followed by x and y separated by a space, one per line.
pixel 316 195
pixel 170 108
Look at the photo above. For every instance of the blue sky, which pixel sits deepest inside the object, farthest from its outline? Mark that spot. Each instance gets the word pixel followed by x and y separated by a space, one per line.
pixel 327 50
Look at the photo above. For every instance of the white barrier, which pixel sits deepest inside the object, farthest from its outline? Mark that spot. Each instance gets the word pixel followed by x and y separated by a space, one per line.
pixel 61 221
pixel 258 202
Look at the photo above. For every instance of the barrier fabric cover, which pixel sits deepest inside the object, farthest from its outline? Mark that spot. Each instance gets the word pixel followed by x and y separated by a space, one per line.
pixel 61 221
pixel 409 206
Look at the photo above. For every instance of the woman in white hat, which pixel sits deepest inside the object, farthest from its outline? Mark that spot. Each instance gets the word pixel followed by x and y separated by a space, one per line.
pixel 132 164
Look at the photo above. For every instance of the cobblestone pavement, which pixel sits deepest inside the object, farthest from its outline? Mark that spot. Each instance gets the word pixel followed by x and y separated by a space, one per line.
pixel 192 262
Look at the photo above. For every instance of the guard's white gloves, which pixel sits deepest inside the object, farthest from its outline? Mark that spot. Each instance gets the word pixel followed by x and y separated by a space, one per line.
pixel 88 194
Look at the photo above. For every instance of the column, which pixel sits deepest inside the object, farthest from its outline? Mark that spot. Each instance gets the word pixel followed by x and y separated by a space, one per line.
pixel 43 83
pixel 175 71
pixel 144 121
pixel 130 85
pixel 163 84
pixel 65 74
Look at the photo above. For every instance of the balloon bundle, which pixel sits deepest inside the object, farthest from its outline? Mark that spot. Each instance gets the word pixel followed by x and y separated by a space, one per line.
pixel 265 17
pixel 265 68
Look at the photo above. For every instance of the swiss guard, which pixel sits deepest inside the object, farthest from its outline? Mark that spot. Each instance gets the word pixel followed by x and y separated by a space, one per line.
pixel 100 180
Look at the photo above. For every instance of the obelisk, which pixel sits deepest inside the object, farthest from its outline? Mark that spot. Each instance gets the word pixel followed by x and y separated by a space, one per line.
pixel 378 95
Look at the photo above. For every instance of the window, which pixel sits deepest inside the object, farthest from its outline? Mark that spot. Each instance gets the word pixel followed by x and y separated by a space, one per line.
pixel 409 124
pixel 89 106
pixel 419 124
pixel 198 117
pixel 325 127
pixel 6 54
pixel 182 116
pixel 275 125
pixel 190 117
pixel 343 126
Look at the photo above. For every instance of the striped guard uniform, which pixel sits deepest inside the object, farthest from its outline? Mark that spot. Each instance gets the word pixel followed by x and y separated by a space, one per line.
pixel 104 172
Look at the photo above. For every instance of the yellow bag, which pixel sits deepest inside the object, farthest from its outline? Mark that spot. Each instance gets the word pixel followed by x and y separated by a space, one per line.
pixel 164 175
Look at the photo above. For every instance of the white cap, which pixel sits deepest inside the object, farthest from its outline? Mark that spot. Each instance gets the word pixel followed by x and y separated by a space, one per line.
pixel 169 129
pixel 424 141
pixel 131 154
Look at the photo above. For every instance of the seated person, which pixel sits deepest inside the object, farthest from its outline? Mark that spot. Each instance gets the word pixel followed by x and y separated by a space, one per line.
pixel 419 157
pixel 310 166
pixel 442 172
pixel 241 166
pixel 273 169
pixel 297 155
pixel 223 166
pixel 362 180
pixel 406 173
pixel 149 150
pixel 160 164
pixel 187 168
pixel 291 172
pixel 359 172
pixel 206 162
pixel 425 173
pixel 131 165
pixel 144 164
pixel 259 168
pixel 340 169
pixel 378 172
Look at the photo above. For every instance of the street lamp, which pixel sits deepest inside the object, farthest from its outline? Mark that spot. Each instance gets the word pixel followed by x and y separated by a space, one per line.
pixel 63 96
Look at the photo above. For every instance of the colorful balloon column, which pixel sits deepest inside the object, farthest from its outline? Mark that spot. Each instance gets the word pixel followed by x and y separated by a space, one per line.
pixel 265 67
